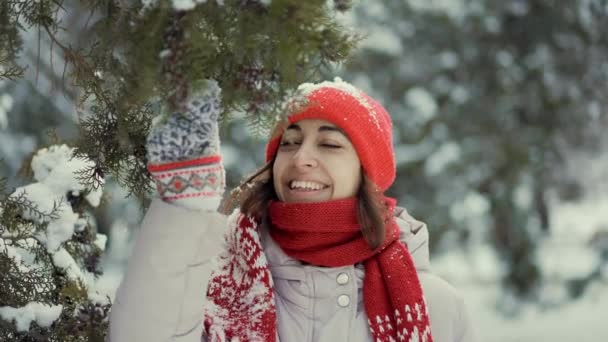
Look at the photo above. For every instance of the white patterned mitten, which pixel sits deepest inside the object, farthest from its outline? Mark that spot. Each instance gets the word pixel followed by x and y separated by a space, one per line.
pixel 184 152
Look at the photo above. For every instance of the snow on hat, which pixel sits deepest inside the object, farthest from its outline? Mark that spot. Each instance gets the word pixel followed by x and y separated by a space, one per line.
pixel 363 119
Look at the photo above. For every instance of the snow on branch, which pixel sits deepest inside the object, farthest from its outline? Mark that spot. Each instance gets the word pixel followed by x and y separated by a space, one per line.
pixel 48 252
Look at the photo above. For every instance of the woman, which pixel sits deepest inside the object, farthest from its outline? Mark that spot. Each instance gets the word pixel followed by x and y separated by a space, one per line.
pixel 314 253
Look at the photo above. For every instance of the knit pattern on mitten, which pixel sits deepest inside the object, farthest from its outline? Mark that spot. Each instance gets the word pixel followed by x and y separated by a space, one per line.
pixel 183 153
pixel 190 134
pixel 195 184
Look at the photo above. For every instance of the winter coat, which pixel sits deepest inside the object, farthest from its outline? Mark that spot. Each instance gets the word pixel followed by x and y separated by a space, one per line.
pixel 162 294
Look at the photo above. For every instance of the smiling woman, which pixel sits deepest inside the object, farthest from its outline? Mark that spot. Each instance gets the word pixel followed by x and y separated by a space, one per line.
pixel 315 251
pixel 315 162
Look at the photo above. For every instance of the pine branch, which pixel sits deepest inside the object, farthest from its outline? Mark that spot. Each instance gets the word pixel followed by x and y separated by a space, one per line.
pixel 12 73
pixel 22 204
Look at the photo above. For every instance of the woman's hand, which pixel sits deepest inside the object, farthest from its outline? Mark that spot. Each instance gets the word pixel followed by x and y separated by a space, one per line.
pixel 191 133
pixel 183 152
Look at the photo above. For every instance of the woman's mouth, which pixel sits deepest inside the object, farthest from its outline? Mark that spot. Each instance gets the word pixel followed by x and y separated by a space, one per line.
pixel 305 191
pixel 306 186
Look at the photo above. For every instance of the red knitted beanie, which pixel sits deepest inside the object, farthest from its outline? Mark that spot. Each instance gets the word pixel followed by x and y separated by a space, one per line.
pixel 363 119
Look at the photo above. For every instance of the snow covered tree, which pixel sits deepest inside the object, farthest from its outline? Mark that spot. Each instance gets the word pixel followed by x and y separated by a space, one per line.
pixel 49 254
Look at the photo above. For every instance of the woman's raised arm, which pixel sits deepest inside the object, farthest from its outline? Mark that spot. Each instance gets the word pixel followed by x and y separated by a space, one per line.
pixel 163 290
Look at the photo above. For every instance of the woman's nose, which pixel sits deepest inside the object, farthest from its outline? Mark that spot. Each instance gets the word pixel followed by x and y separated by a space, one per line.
pixel 305 157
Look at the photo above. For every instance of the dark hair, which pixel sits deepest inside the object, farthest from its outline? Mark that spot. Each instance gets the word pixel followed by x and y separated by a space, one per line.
pixel 253 196
pixel 371 213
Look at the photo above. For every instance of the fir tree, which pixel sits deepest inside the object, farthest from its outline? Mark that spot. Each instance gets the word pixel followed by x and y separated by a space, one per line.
pixel 49 255
pixel 135 56
pixel 126 63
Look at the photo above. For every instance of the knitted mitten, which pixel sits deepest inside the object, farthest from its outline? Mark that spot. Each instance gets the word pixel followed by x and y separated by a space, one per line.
pixel 183 152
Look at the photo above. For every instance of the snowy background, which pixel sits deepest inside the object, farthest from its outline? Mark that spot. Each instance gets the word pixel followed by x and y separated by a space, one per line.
pixel 575 248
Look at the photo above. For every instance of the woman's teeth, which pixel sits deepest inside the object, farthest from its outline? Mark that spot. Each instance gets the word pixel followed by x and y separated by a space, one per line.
pixel 306 185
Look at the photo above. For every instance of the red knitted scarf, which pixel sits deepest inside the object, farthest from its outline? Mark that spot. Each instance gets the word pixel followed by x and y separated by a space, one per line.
pixel 324 234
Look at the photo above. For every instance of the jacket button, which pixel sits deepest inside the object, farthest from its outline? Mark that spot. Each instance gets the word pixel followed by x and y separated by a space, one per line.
pixel 342 278
pixel 343 300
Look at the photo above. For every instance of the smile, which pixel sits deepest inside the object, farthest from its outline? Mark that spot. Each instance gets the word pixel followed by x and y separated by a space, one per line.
pixel 306 185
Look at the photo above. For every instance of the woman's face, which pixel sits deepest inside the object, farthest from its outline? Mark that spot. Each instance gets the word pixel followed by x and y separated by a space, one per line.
pixel 315 162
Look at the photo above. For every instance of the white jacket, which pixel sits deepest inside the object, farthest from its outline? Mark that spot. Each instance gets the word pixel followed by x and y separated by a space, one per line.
pixel 162 295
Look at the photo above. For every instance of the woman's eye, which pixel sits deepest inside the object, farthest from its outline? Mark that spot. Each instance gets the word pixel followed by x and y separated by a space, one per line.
pixel 331 145
pixel 288 143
